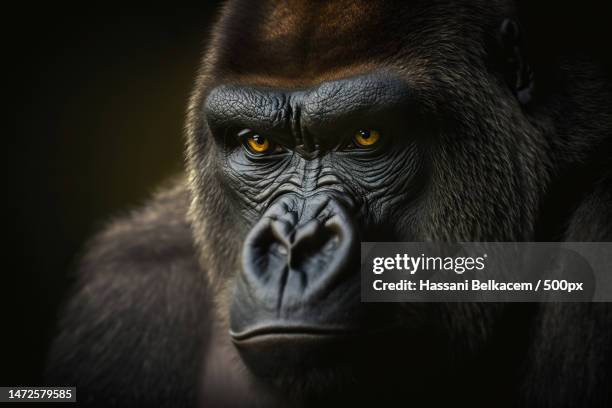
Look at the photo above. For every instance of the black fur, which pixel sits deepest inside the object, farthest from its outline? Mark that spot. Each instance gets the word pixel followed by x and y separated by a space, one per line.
pixel 139 312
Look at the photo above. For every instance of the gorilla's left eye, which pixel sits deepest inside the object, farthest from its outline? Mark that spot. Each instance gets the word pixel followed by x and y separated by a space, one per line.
pixel 366 138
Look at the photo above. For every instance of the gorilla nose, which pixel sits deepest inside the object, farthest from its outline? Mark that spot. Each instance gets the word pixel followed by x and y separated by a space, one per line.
pixel 297 297
pixel 298 250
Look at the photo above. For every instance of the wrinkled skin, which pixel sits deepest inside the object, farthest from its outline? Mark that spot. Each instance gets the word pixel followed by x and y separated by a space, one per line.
pixel 267 308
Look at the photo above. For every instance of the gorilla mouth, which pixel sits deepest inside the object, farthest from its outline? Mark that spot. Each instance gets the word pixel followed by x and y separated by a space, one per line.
pixel 277 351
pixel 280 333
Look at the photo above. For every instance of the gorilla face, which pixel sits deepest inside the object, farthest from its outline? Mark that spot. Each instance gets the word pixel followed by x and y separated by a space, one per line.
pixel 314 171
pixel 296 165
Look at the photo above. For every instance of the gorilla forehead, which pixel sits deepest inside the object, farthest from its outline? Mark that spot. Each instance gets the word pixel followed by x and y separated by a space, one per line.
pixel 314 41
pixel 324 111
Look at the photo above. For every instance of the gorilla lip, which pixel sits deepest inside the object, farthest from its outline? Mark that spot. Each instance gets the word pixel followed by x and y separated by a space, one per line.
pixel 291 331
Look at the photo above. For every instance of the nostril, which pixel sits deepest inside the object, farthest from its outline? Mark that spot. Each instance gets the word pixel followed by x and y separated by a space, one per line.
pixel 334 224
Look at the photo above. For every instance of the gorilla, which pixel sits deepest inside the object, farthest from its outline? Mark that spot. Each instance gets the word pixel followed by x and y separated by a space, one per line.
pixel 314 126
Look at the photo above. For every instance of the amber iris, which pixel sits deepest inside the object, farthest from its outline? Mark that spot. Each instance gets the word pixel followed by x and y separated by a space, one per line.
pixel 366 138
pixel 258 144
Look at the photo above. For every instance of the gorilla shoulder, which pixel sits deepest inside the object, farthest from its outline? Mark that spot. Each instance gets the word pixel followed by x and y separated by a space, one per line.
pixel 121 323
pixel 153 238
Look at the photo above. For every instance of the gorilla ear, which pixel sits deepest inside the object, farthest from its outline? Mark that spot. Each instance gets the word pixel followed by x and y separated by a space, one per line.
pixel 515 68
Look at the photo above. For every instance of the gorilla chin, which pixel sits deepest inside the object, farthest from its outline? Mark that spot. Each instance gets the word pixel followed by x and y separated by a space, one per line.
pixel 314 366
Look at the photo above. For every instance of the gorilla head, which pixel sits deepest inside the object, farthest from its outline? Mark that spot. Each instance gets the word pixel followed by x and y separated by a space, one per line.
pixel 314 128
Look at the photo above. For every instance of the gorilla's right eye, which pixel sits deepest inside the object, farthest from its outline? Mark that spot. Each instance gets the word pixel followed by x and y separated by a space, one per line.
pixel 366 138
pixel 257 144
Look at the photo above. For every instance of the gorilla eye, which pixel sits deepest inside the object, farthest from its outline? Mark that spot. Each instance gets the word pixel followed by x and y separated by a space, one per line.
pixel 366 138
pixel 258 144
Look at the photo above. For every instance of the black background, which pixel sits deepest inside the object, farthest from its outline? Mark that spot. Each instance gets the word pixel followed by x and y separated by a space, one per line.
pixel 94 103
pixel 96 106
